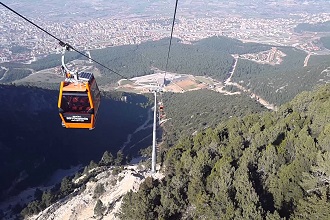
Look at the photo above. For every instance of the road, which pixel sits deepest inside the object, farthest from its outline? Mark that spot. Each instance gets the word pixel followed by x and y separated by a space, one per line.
pixel 243 89
pixel 144 83
pixel 307 59
pixel 233 69
pixel 6 69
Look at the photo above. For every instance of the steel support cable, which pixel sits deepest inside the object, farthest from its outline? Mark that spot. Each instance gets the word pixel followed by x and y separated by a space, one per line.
pixel 60 41
pixel 169 47
pixel 170 44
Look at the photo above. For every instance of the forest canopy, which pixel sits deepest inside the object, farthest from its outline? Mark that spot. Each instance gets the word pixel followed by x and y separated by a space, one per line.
pixel 270 165
pixel 212 57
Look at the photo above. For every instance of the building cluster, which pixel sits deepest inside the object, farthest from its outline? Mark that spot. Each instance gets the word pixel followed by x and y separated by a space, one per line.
pixel 106 32
pixel 272 56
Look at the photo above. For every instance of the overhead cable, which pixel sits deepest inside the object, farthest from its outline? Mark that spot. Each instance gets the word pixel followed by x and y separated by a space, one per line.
pixel 169 47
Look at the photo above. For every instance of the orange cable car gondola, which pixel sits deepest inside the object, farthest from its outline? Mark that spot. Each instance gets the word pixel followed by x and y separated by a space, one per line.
pixel 79 99
pixel 161 110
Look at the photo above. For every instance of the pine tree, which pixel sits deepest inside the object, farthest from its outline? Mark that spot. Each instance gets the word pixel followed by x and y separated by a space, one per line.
pixel 66 186
pixel 99 190
pixel 120 158
pixel 99 208
pixel 107 159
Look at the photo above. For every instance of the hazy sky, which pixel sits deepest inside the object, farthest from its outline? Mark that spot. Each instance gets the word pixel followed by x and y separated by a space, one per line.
pixel 89 9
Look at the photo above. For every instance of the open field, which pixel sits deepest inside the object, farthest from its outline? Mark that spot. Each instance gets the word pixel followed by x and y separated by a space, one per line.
pixel 169 82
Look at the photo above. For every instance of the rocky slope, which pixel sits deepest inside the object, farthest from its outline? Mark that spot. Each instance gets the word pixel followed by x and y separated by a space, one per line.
pixel 107 186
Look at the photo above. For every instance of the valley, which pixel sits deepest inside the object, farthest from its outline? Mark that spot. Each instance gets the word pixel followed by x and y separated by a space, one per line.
pixel 243 94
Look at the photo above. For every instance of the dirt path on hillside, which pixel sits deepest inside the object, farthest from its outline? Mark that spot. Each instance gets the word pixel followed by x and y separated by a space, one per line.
pixel 6 69
pixel 185 82
pixel 243 89
pixel 233 69
pixel 307 59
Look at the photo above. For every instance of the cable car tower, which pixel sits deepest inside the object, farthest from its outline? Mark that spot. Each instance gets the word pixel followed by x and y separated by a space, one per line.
pixel 158 89
pixel 154 156
pixel 154 130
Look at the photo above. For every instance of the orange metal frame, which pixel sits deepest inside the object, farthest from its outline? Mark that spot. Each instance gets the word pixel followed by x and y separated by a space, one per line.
pixel 70 88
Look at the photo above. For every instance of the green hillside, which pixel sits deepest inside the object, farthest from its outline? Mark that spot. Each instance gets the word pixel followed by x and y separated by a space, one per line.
pixel 198 110
pixel 317 27
pixel 270 165
pixel 207 57
pixel 325 42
